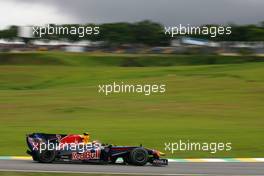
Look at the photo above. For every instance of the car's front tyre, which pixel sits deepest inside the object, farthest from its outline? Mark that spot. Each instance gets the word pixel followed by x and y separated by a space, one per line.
pixel 138 156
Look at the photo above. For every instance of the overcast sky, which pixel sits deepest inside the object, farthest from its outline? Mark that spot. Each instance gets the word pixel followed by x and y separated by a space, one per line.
pixel 168 12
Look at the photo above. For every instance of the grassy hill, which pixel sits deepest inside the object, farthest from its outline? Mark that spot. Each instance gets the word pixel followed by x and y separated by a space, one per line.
pixel 58 93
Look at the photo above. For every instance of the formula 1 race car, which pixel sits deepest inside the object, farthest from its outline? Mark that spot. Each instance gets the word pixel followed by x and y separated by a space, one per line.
pixel 47 148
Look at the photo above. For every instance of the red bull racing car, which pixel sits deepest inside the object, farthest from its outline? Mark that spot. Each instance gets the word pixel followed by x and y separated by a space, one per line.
pixel 48 148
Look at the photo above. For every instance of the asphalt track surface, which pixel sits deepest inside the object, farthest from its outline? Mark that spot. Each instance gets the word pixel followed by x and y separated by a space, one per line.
pixel 194 169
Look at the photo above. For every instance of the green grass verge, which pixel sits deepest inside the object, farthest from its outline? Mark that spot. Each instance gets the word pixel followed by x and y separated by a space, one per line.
pixel 206 103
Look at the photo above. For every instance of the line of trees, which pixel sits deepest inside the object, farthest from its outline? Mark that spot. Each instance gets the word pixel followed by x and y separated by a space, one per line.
pixel 147 33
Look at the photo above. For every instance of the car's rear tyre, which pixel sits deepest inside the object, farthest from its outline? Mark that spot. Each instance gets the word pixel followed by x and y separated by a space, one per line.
pixel 47 156
pixel 139 156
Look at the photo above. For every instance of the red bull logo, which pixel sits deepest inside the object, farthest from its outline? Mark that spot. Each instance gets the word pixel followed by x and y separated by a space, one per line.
pixel 87 155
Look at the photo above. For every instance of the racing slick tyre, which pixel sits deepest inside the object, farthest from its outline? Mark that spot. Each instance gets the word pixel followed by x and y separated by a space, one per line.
pixel 47 156
pixel 139 156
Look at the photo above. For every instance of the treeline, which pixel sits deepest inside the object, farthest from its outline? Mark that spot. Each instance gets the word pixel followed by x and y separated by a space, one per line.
pixel 144 32
pixel 147 33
